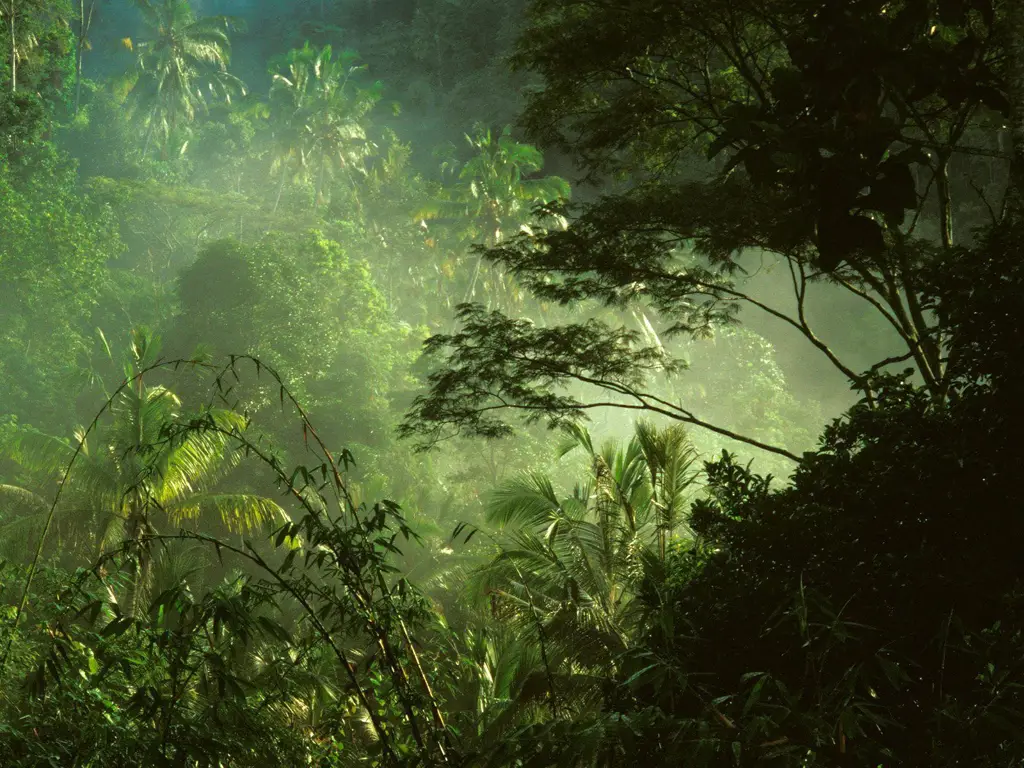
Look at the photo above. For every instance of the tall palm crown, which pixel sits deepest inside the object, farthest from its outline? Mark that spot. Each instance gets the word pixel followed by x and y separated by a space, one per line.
pixel 183 62
pixel 495 189
pixel 321 115
pixel 493 194
pixel 568 569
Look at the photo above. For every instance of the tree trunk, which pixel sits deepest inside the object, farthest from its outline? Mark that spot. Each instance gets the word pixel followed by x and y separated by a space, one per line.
pixel 14 56
pixel 280 187
pixel 149 135
pixel 1013 205
pixel 138 577
pixel 172 131
pixel 238 191
pixel 945 201
pixel 79 51
pixel 320 181
pixel 84 23
pixel 476 277
pixel 78 79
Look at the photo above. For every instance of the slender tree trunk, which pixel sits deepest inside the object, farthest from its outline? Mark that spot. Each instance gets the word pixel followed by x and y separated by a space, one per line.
pixel 136 528
pixel 84 23
pixel 1013 205
pixel 476 278
pixel 14 56
pixel 78 78
pixel 149 135
pixel 79 52
pixel 489 242
pixel 320 181
pixel 136 524
pixel 238 191
pixel 165 152
pixel 280 189
pixel 945 201
pixel 354 186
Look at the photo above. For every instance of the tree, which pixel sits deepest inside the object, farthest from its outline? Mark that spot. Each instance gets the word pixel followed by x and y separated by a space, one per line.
pixel 321 115
pixel 866 614
pixel 183 57
pixel 225 655
pixel 493 194
pixel 828 125
pixel 303 304
pixel 37 40
pixel 568 569
pixel 869 612
pixel 85 16
pixel 55 246
pixel 133 473
pixel 1013 31
pixel 20 16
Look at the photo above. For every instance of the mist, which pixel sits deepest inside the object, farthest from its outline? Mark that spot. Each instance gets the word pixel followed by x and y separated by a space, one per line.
pixel 428 382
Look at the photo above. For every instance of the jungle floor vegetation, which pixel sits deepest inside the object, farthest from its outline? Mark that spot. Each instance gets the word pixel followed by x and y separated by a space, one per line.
pixel 511 384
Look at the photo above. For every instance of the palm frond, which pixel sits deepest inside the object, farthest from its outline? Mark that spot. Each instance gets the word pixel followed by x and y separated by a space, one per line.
pixel 577 565
pixel 240 512
pixel 12 496
pixel 38 453
pixel 528 500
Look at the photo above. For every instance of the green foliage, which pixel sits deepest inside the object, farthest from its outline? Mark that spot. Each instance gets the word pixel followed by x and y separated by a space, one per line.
pixel 303 305
pixel 244 653
pixel 811 162
pixel 495 191
pixel 321 115
pixel 37 45
pixel 102 142
pixel 826 128
pixel 862 613
pixel 117 692
pixel 54 247
pixel 568 569
pixel 24 120
pixel 488 197
pixel 182 57
pixel 495 364
pixel 130 478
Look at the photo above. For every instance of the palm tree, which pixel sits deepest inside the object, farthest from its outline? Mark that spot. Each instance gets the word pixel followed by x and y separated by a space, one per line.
pixel 321 114
pixel 494 193
pixel 130 477
pixel 18 16
pixel 183 60
pixel 286 155
pixel 81 45
pixel 569 568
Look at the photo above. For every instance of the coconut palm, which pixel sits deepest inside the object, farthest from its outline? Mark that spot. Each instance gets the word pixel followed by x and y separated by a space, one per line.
pixel 569 568
pixel 84 23
pixel 493 194
pixel 182 63
pixel 321 115
pixel 20 18
pixel 133 476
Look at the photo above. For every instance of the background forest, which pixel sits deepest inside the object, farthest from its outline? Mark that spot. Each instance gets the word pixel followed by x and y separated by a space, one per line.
pixel 525 383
